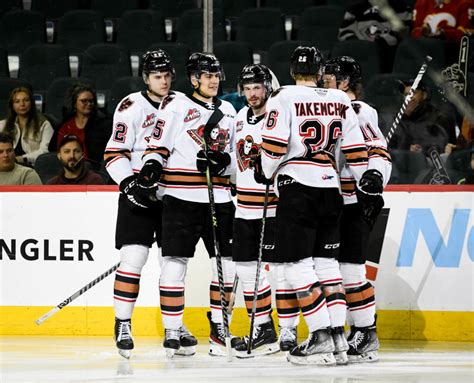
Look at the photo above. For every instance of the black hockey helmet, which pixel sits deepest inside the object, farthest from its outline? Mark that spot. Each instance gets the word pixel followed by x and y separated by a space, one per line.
pixel 256 74
pixel 344 68
pixel 202 62
pixel 305 61
pixel 157 61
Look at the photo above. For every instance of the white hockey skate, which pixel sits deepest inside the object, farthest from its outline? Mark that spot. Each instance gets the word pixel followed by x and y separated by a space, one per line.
pixel 318 349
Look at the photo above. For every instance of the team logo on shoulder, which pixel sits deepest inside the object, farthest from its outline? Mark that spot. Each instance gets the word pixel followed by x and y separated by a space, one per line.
pixel 149 121
pixel 247 151
pixel 192 115
pixel 239 126
pixel 218 138
pixel 127 103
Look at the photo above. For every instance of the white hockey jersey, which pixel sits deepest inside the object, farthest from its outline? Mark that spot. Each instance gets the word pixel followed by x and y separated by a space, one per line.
pixel 379 158
pixel 134 120
pixel 178 137
pixel 250 194
pixel 302 128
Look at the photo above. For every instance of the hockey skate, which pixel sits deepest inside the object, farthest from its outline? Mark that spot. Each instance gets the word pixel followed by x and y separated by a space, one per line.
pixel 123 337
pixel 341 345
pixel 264 342
pixel 318 349
pixel 217 339
pixel 288 338
pixel 171 342
pixel 363 345
pixel 187 342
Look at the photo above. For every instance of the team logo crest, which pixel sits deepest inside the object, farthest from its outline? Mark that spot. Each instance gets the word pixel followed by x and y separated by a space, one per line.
pixel 127 103
pixel 149 121
pixel 247 151
pixel 192 115
pixel 218 138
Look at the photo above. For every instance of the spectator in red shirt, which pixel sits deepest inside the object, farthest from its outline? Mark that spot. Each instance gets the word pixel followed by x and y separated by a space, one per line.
pixel 445 19
pixel 86 122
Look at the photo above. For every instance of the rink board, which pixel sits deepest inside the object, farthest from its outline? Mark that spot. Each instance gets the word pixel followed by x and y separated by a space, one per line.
pixel 55 240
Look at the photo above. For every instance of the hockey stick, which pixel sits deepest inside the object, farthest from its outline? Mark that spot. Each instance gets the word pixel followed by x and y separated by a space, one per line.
pixel 77 294
pixel 230 306
pixel 408 98
pixel 220 274
pixel 259 265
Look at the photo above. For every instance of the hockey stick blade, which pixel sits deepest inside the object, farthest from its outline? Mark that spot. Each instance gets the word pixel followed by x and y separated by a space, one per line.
pixel 77 294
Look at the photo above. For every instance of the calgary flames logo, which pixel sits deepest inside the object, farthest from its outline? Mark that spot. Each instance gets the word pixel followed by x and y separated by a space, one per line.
pixel 247 151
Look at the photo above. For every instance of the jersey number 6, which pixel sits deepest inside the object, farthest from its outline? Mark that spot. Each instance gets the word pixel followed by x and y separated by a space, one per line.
pixel 318 137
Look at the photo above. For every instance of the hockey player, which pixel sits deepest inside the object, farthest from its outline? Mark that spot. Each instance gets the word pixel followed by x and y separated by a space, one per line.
pixel 139 213
pixel 302 128
pixel 361 207
pixel 183 144
pixel 255 83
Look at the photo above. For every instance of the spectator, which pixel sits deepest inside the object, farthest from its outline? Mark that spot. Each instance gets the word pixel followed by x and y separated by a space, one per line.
pixel 31 131
pixel 75 170
pixel 469 178
pixel 10 172
pixel 83 120
pixel 443 19
pixel 423 124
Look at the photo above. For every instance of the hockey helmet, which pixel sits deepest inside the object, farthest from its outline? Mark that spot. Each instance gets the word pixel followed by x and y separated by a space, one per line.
pixel 199 63
pixel 305 61
pixel 344 68
pixel 157 61
pixel 256 74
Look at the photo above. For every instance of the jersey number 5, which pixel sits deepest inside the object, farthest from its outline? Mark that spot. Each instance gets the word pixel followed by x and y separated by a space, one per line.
pixel 318 137
pixel 158 129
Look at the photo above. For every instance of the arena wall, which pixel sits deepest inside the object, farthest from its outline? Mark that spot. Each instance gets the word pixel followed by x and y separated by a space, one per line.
pixel 55 240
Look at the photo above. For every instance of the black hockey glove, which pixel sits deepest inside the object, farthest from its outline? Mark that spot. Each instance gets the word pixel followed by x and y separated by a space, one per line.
pixel 371 182
pixel 150 175
pixel 369 195
pixel 137 197
pixel 217 161
pixel 258 172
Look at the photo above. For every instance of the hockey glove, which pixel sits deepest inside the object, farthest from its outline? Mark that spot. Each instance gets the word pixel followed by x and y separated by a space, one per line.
pixel 150 174
pixel 258 172
pixel 217 161
pixel 371 182
pixel 369 195
pixel 137 197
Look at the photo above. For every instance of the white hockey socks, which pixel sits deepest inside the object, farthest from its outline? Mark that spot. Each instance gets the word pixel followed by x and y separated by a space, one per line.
pixel 127 279
pixel 287 305
pixel 329 275
pixel 228 270
pixel 173 272
pixel 247 272
pixel 302 278
pixel 359 294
